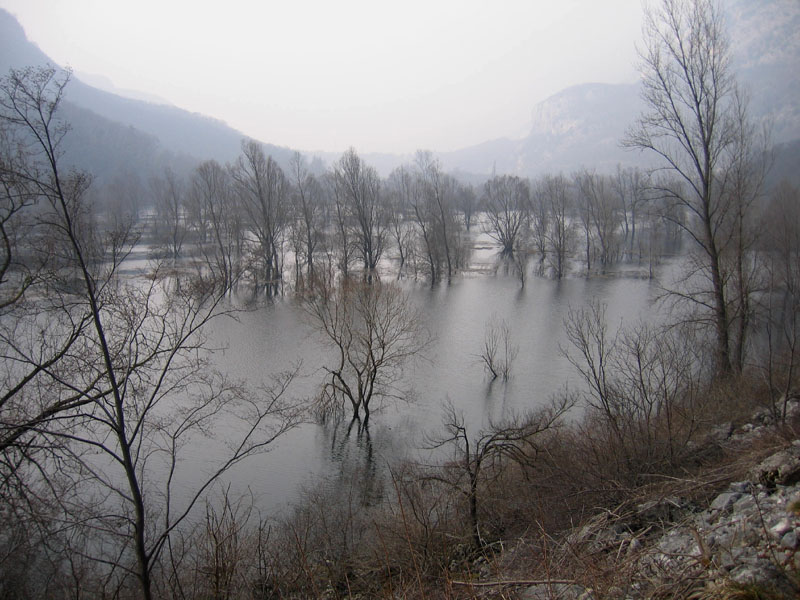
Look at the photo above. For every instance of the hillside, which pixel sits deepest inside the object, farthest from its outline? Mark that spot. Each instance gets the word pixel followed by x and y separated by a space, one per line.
pixel 125 129
pixel 582 125
pixel 578 126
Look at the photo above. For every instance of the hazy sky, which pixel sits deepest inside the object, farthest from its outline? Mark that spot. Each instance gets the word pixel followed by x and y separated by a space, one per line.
pixel 325 75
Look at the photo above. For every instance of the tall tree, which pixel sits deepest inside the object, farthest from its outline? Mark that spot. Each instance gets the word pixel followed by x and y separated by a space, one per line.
pixel 401 186
pixel 307 208
pixel 434 209
pixel 213 197
pixel 263 193
pixel 601 216
pixel 553 194
pixel 168 196
pixel 696 124
pixel 107 398
pixel 506 200
pixel 359 186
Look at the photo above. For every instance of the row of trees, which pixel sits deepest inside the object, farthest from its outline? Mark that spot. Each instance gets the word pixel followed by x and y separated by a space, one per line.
pixel 244 219
pixel 106 382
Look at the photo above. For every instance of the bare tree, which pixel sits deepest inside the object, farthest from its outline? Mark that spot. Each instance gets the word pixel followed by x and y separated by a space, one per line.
pixel 600 216
pixel 373 330
pixel 554 195
pixel 124 383
pixel 308 208
pixel 467 203
pixel 781 247
pixel 629 186
pixel 358 185
pixel 263 193
pixel 170 227
pixel 435 213
pixel 515 440
pixel 644 383
pixel 540 224
pixel 213 199
pixel 499 351
pixel 506 202
pixel 696 124
pixel 401 190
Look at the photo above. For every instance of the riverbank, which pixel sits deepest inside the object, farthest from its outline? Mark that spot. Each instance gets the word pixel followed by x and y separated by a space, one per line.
pixel 576 517
pixel 726 530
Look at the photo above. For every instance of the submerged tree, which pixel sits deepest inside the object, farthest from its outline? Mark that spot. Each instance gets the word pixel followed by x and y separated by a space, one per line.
pixel 554 224
pixel 358 188
pixel 506 201
pixel 307 209
pixel 373 330
pixel 498 351
pixel 263 195
pixel 220 226
pixel 435 212
pixel 170 229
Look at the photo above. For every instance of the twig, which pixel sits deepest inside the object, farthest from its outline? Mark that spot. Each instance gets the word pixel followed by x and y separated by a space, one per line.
pixel 513 582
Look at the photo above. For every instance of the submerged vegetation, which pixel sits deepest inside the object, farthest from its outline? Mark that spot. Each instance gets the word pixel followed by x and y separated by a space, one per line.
pixel 106 376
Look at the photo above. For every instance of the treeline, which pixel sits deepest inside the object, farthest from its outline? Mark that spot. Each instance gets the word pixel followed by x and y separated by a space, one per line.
pixel 245 220
pixel 107 380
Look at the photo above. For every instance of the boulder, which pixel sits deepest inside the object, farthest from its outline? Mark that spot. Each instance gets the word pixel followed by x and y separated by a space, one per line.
pixel 782 468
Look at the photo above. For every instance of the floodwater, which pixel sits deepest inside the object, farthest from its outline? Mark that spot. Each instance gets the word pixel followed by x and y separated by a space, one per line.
pixel 274 336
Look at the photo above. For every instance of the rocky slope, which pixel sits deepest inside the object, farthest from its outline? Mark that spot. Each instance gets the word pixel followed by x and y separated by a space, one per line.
pixel 742 541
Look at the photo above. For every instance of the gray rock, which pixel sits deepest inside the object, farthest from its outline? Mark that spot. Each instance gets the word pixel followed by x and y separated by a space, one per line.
pixel 780 528
pixel 725 501
pixel 789 540
pixel 782 468
pixel 740 487
pixel 722 432
pixel 659 511
pixel 745 503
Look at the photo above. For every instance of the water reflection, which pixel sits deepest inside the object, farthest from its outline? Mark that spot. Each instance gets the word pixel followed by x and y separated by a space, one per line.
pixel 271 337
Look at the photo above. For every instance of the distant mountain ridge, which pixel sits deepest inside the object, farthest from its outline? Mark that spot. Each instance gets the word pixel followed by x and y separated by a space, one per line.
pixel 176 132
pixel 579 126
pixel 583 125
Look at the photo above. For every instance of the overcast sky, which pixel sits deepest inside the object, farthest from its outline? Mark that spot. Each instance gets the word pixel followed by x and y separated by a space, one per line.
pixel 325 75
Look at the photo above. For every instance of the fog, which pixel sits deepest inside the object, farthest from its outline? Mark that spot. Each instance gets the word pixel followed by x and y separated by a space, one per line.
pixel 324 76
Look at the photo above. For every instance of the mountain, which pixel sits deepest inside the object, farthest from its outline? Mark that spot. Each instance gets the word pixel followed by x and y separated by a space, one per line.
pixel 578 126
pixel 121 123
pixel 583 125
pixel 104 83
pixel 765 38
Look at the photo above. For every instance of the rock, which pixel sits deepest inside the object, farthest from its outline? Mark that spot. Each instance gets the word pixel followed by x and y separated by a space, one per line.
pixel 763 417
pixel 722 432
pixel 780 528
pixel 782 468
pixel 634 545
pixel 746 502
pixel 665 510
pixel 740 487
pixel 789 540
pixel 725 501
